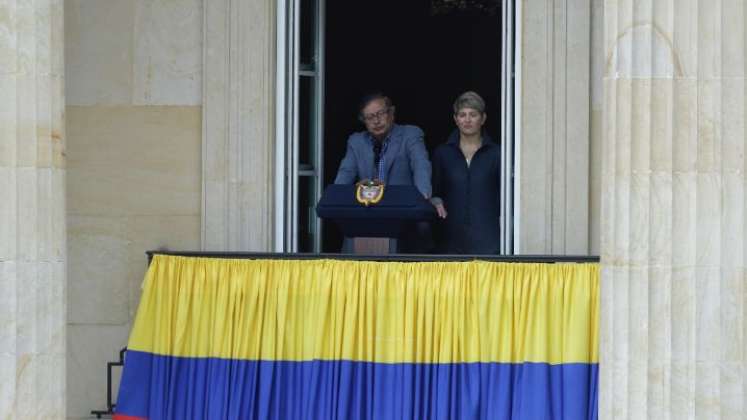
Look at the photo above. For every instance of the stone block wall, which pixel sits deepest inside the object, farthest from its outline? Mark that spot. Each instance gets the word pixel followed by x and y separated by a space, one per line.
pixel 133 112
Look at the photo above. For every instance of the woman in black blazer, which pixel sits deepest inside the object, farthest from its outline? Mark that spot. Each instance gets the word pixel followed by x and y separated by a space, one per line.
pixel 466 183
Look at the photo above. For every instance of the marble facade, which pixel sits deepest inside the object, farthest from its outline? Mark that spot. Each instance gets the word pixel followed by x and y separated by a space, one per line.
pixel 238 138
pixel 32 211
pixel 553 168
pixel 673 211
pixel 635 104
pixel 134 105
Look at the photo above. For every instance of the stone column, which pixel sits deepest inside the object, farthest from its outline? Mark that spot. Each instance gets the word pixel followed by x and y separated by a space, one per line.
pixel 238 131
pixel 32 211
pixel 673 211
pixel 555 89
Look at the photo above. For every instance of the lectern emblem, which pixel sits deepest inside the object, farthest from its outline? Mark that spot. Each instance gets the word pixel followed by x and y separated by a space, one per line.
pixel 369 192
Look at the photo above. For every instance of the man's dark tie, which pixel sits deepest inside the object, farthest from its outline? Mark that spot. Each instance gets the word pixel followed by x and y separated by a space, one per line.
pixel 377 153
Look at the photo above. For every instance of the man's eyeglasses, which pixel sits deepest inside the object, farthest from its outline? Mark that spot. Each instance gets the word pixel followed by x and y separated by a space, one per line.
pixel 376 115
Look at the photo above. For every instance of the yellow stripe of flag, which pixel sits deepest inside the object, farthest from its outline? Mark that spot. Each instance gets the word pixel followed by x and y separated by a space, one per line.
pixel 388 312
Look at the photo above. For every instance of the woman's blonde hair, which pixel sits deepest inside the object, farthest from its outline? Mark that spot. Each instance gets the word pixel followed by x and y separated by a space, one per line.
pixel 469 99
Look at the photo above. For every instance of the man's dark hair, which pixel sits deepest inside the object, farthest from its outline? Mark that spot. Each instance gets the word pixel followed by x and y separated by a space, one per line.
pixel 370 97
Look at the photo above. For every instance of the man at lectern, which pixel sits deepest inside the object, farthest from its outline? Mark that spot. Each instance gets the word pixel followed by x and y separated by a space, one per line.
pixel 392 153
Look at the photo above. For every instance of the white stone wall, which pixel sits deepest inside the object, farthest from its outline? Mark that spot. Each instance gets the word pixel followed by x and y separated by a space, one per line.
pixel 674 215
pixel 596 133
pixel 554 167
pixel 239 126
pixel 32 211
pixel 134 95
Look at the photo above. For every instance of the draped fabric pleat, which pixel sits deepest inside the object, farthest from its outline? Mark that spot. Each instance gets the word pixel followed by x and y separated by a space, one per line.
pixel 323 339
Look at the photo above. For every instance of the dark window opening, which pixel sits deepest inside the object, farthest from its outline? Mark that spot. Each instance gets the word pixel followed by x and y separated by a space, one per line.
pixel 422 53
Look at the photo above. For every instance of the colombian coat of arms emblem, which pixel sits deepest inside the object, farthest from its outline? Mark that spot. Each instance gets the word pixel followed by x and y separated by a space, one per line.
pixel 369 192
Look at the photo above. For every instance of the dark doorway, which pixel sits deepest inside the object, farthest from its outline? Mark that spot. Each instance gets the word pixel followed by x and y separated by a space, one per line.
pixel 422 58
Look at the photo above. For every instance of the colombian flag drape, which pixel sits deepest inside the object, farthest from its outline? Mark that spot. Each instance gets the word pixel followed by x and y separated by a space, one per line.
pixel 322 339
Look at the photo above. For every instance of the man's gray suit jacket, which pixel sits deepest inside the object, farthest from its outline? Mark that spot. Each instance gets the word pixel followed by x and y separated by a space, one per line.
pixel 405 160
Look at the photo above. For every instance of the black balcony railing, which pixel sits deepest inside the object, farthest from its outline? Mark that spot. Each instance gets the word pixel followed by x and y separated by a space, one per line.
pixel 548 259
pixel 110 404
